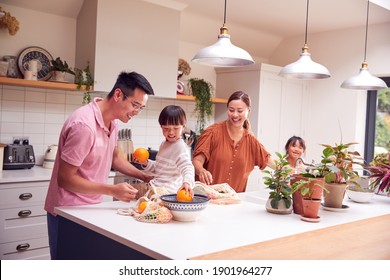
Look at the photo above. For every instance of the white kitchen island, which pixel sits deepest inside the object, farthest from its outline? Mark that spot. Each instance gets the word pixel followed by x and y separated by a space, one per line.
pixel 98 232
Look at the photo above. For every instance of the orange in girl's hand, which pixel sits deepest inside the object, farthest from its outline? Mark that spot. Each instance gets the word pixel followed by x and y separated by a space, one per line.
pixel 142 206
pixel 183 196
pixel 141 154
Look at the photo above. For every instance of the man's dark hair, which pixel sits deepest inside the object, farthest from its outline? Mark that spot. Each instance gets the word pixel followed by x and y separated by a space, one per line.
pixel 127 82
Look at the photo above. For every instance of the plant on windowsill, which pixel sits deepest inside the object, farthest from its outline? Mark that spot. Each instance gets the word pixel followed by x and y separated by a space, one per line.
pixel 202 91
pixel 84 80
pixel 278 181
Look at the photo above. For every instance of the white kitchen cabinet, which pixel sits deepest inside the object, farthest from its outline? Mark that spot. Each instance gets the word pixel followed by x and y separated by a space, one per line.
pixel 130 36
pixel 279 105
pixel 23 226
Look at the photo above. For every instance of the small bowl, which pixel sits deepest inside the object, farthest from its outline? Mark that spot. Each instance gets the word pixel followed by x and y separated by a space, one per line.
pixel 185 211
pixel 360 196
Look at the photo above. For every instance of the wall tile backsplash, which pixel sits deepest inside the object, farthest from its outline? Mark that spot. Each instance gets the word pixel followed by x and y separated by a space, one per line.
pixel 39 114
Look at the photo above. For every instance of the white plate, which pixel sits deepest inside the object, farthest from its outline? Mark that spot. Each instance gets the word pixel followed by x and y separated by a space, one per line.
pixel 342 209
pixel 40 54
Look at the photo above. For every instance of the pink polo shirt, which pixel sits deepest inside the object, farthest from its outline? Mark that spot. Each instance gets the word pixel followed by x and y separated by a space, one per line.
pixel 84 142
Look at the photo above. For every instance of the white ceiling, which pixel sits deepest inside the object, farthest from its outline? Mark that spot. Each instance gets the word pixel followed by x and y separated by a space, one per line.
pixel 274 19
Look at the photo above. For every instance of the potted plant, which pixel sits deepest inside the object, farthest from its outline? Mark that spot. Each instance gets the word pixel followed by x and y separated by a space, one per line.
pixel 278 181
pixel 310 206
pixel 360 190
pixel 202 91
pixel 311 183
pixel 340 172
pixel 59 69
pixel 380 173
pixel 84 80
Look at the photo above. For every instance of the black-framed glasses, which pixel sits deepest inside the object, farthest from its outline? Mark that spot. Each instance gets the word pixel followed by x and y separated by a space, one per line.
pixel 136 106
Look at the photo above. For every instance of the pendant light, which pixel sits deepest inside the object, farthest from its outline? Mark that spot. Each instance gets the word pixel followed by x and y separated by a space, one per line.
pixel 364 80
pixel 223 53
pixel 305 67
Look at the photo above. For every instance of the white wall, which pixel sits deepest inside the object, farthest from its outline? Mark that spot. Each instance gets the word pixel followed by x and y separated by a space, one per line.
pixel 39 114
pixel 332 107
pixel 53 33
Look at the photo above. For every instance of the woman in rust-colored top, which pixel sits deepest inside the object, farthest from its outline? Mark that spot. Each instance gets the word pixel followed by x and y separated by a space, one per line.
pixel 227 151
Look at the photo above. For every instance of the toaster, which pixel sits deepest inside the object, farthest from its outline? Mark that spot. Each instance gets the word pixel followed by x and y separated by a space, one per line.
pixel 18 156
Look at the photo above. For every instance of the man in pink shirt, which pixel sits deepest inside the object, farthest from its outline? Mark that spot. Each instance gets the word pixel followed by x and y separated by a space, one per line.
pixel 87 150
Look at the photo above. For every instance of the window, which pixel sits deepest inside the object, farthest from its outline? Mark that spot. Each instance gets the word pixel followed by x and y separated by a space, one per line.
pixel 377 122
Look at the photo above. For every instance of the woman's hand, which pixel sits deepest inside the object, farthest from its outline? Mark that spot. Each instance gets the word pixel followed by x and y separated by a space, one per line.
pixel 205 177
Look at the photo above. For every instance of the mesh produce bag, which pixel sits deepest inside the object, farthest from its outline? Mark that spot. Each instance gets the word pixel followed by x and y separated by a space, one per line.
pixel 218 193
pixel 153 212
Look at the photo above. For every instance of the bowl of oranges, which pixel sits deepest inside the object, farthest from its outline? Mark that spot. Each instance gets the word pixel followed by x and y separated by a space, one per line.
pixel 183 207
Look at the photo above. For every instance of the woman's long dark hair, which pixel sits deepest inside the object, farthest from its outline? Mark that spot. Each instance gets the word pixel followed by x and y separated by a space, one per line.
pixel 240 95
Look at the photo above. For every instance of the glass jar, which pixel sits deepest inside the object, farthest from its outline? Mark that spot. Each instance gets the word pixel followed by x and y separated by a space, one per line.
pixel 12 66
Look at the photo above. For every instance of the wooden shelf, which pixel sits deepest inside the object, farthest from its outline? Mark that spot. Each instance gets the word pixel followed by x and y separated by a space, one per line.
pixel 73 87
pixel 192 98
pixel 39 84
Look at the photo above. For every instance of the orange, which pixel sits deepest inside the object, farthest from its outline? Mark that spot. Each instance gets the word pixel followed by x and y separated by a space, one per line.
pixel 183 196
pixel 142 206
pixel 141 154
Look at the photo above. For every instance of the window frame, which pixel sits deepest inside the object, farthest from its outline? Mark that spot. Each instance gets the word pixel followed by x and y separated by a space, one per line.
pixel 372 99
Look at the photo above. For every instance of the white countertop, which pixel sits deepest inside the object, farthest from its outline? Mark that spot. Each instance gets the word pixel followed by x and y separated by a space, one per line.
pixel 219 227
pixel 36 173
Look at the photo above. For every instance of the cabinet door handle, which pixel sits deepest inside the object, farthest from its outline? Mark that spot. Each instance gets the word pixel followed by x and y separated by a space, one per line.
pixel 23 247
pixel 24 213
pixel 25 196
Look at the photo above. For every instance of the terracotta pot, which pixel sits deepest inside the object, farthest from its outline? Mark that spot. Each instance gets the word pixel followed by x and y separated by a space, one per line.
pixel 311 207
pixel 335 195
pixel 316 185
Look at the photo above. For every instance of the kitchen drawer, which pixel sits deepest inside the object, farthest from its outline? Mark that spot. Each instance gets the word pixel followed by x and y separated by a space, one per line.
pixel 22 222
pixel 22 195
pixel 29 249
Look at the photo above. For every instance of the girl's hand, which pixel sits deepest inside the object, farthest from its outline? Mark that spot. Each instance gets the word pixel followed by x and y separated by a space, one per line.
pixel 187 188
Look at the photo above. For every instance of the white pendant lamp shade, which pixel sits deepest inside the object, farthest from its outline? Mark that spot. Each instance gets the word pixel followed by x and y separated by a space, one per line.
pixel 305 68
pixel 223 53
pixel 364 80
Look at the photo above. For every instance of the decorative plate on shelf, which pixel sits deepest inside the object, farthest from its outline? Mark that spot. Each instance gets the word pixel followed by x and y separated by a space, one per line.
pixel 43 57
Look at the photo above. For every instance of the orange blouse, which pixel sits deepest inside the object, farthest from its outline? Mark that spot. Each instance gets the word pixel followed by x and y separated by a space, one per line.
pixel 226 163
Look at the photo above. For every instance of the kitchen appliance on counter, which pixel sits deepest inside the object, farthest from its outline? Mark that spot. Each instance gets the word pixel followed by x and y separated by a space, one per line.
pixel 50 156
pixel 19 155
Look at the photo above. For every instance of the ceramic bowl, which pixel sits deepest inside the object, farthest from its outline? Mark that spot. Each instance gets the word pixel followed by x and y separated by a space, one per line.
pixel 360 196
pixel 185 211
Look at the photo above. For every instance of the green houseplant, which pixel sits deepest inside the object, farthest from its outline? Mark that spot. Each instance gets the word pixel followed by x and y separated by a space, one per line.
pixel 340 172
pixel 278 181
pixel 311 183
pixel 59 68
pixel 202 91
pixel 84 80
pixel 380 173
